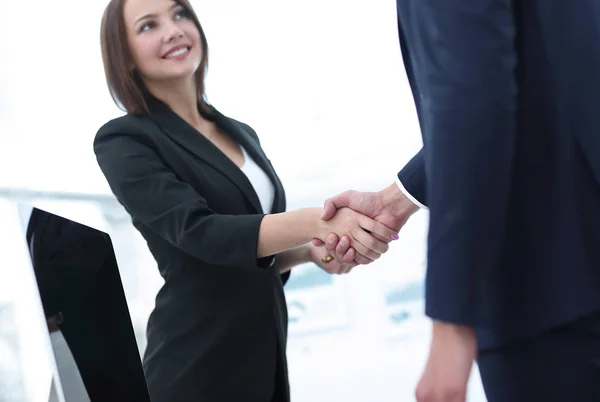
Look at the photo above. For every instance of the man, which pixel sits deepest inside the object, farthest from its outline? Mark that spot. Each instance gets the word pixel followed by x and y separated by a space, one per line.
pixel 507 95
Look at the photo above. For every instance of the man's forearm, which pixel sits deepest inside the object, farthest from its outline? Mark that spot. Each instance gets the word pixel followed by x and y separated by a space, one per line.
pixel 396 202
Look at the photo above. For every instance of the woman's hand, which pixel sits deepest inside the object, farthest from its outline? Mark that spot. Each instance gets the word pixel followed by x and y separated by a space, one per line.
pixel 361 231
pixel 321 257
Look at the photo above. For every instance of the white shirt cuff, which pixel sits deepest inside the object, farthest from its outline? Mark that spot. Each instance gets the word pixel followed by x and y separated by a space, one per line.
pixel 407 194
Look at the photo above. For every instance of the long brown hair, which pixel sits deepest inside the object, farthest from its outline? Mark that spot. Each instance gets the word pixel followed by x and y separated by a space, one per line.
pixel 126 86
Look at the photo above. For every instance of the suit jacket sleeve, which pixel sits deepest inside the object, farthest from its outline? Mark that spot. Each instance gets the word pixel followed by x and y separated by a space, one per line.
pixel 464 63
pixel 151 192
pixel 413 178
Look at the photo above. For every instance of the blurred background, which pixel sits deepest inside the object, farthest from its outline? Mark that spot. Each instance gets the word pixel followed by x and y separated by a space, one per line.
pixel 323 84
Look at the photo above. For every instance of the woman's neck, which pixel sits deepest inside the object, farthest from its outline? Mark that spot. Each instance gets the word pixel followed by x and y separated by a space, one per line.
pixel 181 97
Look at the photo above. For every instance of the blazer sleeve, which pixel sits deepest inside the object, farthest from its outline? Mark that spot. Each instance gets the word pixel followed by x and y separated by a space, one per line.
pixel 413 178
pixel 466 58
pixel 153 195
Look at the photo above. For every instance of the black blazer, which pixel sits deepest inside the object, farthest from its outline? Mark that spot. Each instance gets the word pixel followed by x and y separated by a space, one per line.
pixel 218 331
pixel 510 167
pixel 78 279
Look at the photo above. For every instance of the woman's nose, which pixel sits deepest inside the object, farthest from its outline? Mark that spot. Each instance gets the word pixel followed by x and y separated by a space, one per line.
pixel 174 32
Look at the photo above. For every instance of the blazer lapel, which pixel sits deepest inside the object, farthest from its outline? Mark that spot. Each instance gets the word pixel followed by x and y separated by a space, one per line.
pixel 193 141
pixel 252 146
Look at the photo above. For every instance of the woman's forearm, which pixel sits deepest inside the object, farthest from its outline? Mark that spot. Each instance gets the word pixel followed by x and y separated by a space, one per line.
pixel 287 230
pixel 296 256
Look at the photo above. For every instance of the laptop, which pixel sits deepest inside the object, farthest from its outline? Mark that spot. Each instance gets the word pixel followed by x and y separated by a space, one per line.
pixel 85 310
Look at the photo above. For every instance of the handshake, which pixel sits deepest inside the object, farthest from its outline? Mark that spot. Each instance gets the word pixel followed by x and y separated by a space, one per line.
pixel 357 227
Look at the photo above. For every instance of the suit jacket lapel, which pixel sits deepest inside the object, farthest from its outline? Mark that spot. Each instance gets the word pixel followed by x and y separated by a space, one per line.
pixel 242 135
pixel 193 141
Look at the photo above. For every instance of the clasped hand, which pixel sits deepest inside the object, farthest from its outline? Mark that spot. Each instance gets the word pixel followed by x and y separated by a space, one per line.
pixel 388 208
pixel 365 235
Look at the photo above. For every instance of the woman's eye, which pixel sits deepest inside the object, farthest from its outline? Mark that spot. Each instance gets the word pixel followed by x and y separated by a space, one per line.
pixel 147 26
pixel 181 14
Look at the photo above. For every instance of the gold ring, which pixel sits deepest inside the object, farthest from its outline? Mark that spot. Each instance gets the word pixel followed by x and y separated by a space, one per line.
pixel 327 259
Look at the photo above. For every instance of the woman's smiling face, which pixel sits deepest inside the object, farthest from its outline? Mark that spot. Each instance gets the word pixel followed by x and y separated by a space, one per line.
pixel 163 40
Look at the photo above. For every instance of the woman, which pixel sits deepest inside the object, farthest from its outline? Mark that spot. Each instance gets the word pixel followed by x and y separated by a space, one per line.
pixel 205 197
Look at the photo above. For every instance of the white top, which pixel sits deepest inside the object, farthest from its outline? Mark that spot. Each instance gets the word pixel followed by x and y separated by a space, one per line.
pixel 263 186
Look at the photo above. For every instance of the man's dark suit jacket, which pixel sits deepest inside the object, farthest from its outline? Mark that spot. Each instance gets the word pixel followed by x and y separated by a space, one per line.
pixel 218 331
pixel 507 94
pixel 78 279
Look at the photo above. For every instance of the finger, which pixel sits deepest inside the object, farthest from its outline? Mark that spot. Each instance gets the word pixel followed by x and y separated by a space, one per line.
pixel 349 256
pixel 329 210
pixel 377 228
pixel 361 248
pixel 378 237
pixel 327 259
pixel 334 203
pixel 343 246
pixel 423 394
pixel 362 260
pixel 349 267
pixel 331 243
pixel 342 249
pixel 370 242
pixel 317 243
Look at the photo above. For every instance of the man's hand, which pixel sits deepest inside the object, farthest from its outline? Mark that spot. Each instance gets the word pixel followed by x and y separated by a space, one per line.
pixel 452 352
pixel 389 206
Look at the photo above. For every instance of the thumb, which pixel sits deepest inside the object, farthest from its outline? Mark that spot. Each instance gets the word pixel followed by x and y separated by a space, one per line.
pixel 335 203
pixel 317 243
